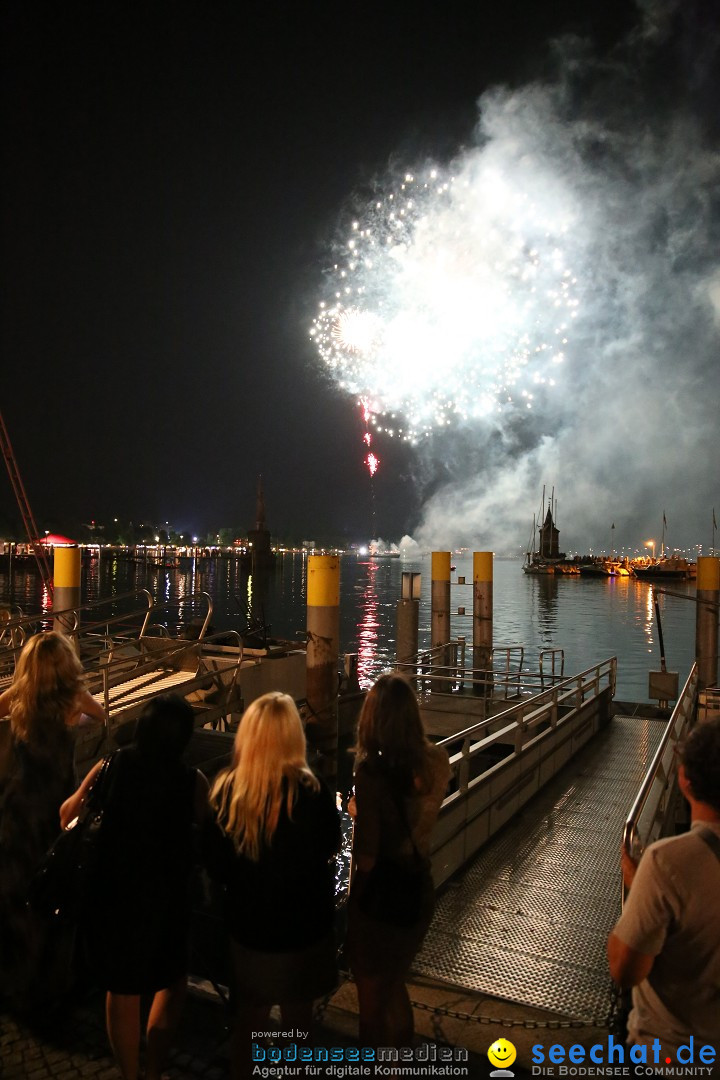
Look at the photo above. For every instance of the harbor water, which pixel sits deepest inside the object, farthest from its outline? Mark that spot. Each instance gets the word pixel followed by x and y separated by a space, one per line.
pixel 590 619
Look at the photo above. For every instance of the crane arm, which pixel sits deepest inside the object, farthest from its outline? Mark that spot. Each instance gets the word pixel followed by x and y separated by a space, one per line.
pixel 31 528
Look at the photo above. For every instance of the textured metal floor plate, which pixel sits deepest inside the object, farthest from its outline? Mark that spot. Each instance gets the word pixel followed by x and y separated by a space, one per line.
pixel 528 919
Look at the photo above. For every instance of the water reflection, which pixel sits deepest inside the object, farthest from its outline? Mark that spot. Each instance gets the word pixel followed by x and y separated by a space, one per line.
pixel 590 619
pixel 649 618
pixel 545 593
pixel 368 628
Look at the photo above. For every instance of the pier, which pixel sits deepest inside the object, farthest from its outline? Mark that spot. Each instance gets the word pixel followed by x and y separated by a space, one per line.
pixel 549 773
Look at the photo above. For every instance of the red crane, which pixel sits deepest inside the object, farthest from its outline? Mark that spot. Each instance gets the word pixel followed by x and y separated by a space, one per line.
pixel 31 528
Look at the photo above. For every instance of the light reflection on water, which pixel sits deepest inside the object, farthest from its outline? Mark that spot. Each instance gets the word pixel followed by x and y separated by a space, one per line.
pixel 368 626
pixel 590 618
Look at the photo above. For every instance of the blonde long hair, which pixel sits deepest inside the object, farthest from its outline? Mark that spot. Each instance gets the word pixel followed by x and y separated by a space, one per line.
pixel 269 763
pixel 48 680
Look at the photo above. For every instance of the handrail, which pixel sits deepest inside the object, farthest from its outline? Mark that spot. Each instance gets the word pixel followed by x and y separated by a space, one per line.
pixel 149 610
pixel 568 688
pixel 48 616
pixel 180 602
pixel 514 683
pixel 663 767
pixel 8 637
pixel 552 655
pixel 498 764
pixel 142 664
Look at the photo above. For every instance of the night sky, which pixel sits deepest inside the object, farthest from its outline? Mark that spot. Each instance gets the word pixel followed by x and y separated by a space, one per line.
pixel 174 175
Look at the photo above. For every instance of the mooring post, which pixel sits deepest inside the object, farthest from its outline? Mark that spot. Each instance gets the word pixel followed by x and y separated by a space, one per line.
pixel 66 585
pixel 408 620
pixel 482 622
pixel 440 618
pixel 323 652
pixel 706 620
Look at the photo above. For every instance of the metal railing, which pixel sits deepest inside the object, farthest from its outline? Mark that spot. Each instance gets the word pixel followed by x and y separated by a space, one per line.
pixel 445 669
pixel 120 673
pixel 96 630
pixel 653 805
pixel 517 725
pixel 502 761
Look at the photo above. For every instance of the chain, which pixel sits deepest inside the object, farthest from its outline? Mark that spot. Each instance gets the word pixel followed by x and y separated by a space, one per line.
pixel 439 1011
pixel 618 1011
pixel 478 1018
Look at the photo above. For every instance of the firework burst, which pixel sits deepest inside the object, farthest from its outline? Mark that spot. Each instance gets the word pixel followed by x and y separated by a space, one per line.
pixel 450 300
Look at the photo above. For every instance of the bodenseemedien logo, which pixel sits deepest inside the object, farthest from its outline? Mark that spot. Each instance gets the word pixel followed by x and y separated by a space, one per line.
pixel 501 1054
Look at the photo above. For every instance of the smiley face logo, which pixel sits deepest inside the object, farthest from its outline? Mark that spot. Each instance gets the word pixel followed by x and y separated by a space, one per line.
pixel 502 1053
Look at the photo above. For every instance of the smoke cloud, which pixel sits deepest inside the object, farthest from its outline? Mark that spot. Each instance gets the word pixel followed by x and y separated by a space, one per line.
pixel 631 431
pixel 544 310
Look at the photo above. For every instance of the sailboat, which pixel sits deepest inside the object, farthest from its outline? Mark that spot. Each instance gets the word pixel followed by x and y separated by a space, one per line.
pixel 548 558
pixel 666 568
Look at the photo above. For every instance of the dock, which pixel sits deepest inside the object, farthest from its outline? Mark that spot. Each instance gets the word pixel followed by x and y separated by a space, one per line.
pixel 544 771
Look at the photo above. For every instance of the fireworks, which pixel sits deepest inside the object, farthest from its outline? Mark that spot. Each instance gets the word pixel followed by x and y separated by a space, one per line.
pixel 451 300
pixel 371 460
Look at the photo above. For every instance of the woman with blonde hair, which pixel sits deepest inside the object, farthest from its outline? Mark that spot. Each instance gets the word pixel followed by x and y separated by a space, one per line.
pixel 281 828
pixel 45 701
pixel 400 783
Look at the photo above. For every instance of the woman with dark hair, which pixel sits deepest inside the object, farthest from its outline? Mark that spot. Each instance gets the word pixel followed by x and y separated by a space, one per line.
pixel 43 705
pixel 400 782
pixel 137 928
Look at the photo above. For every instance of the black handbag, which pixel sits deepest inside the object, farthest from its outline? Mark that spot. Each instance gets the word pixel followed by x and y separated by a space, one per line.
pixel 60 886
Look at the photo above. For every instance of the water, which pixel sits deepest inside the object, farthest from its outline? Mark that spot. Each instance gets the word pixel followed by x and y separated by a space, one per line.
pixel 591 619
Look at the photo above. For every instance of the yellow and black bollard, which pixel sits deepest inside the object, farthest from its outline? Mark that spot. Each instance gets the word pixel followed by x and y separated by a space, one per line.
pixel 66 585
pixel 323 650
pixel 482 622
pixel 440 619
pixel 706 621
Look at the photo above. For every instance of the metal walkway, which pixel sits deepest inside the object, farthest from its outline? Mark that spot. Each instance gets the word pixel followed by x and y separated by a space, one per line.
pixel 528 920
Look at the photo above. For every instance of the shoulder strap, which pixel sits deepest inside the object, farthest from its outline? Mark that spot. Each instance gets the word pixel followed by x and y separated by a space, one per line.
pixel 97 796
pixel 712 840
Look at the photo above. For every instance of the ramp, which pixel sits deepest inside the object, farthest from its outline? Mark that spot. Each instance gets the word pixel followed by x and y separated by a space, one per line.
pixel 528 920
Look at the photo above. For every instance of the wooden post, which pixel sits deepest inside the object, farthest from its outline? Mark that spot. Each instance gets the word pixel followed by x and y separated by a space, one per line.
pixel 408 619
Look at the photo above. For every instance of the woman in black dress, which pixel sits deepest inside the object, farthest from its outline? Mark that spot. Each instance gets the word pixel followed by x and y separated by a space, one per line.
pixel 43 705
pixel 137 927
pixel 400 782
pixel 281 828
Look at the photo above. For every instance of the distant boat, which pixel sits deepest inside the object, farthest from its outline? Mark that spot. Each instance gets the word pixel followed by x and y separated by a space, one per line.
pixel 384 555
pixel 671 568
pixel 596 569
pixel 666 567
pixel 548 557
pixel 604 568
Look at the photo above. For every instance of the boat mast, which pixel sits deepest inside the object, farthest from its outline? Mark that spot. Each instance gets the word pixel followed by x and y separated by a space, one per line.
pixel 542 522
pixel 530 553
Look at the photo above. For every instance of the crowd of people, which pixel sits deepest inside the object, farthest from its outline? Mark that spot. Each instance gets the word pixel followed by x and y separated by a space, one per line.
pixel 266 832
